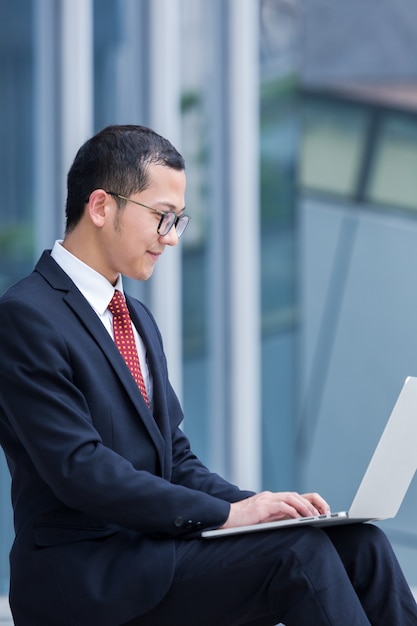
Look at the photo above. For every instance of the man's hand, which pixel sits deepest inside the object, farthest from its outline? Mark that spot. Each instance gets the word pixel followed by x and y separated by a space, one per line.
pixel 268 507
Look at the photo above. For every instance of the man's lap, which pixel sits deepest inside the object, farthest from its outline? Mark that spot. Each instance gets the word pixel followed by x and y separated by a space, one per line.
pixel 226 581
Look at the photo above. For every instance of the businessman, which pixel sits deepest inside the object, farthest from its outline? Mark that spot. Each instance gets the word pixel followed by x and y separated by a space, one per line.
pixel 108 498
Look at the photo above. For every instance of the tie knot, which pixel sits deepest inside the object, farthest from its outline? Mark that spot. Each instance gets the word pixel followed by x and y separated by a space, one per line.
pixel 117 305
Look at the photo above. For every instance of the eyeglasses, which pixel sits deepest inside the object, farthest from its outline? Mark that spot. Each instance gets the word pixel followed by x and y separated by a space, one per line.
pixel 168 218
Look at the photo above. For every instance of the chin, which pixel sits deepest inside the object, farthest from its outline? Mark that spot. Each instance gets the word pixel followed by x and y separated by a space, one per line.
pixel 143 275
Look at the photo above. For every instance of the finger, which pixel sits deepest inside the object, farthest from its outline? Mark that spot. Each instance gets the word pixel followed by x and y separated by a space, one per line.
pixel 283 510
pixel 299 506
pixel 318 502
pixel 306 507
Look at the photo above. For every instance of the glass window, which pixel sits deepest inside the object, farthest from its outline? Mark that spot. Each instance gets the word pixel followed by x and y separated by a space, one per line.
pixel 393 178
pixel 278 165
pixel 16 137
pixel 332 145
pixel 121 55
pixel 196 63
pixel 279 132
pixel 278 145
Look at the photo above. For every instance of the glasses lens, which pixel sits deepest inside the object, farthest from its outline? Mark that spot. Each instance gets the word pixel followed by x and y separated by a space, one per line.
pixel 182 224
pixel 168 221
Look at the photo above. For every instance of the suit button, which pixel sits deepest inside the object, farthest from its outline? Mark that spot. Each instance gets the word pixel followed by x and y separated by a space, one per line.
pixel 178 522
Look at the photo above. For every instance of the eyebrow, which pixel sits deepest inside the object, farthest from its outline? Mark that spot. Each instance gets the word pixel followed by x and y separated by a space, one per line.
pixel 171 207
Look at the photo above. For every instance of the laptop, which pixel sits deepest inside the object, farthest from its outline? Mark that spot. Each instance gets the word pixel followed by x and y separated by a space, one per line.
pixel 386 479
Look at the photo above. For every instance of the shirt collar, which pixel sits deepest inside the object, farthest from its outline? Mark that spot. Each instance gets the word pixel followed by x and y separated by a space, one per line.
pixel 96 289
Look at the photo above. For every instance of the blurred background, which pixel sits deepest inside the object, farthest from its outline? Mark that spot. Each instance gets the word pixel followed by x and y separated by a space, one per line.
pixel 289 311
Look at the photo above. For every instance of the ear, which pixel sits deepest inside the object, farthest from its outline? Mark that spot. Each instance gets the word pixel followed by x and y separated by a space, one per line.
pixel 98 207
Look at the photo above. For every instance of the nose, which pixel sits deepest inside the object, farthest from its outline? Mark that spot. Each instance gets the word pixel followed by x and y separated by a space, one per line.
pixel 171 238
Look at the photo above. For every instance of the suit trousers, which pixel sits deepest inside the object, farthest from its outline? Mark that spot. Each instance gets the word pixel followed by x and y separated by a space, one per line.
pixel 342 576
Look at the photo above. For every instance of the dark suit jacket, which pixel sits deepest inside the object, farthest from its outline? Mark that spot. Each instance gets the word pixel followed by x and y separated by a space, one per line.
pixel 100 492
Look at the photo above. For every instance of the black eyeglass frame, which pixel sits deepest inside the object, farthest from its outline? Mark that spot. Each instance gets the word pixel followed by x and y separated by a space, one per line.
pixel 169 217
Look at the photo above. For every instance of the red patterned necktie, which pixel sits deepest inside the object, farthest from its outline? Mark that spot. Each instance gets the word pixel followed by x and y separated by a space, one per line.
pixel 125 340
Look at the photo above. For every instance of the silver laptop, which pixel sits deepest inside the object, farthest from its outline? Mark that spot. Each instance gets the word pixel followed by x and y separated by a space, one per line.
pixel 386 479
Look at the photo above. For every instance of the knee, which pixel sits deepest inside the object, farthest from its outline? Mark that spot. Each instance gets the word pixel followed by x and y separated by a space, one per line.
pixel 370 552
pixel 314 546
pixel 357 537
pixel 373 537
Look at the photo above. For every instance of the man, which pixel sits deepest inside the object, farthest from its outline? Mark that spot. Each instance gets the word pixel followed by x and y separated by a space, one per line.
pixel 108 498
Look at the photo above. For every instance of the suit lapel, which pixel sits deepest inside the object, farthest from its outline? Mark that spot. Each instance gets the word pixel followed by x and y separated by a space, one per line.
pixel 156 361
pixel 88 318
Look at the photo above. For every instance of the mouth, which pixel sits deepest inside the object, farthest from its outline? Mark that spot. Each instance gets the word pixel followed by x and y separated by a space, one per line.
pixel 154 255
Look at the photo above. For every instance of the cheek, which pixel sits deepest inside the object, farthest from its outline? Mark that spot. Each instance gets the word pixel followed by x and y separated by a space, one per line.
pixel 135 228
pixel 133 243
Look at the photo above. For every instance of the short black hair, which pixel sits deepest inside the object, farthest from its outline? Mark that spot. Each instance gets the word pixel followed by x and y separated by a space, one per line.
pixel 116 159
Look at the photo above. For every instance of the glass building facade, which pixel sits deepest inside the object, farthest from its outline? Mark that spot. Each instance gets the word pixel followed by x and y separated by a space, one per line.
pixel 252 303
